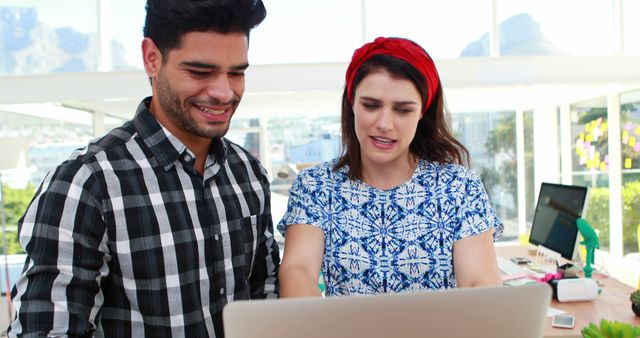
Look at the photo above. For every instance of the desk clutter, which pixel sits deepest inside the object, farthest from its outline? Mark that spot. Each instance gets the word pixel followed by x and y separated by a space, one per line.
pixel 564 279
pixel 612 302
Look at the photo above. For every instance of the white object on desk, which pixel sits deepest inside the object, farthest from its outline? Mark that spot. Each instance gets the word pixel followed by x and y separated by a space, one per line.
pixel 577 289
pixel 509 268
pixel 551 311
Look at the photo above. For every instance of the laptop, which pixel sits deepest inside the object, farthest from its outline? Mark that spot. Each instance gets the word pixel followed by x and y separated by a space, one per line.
pixel 496 312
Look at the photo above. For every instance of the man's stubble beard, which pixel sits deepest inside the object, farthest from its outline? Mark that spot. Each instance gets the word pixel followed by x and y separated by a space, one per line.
pixel 179 114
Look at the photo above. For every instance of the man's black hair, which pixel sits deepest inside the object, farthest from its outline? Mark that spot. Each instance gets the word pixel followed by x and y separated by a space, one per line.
pixel 168 20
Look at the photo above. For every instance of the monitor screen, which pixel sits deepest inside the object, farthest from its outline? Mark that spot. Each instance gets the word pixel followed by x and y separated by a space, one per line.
pixel 554 221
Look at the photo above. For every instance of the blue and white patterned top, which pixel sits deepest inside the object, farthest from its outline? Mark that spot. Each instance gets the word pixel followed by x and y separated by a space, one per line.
pixel 396 240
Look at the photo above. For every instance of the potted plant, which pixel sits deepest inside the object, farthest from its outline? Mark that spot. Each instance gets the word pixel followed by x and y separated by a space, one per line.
pixel 635 302
pixel 610 329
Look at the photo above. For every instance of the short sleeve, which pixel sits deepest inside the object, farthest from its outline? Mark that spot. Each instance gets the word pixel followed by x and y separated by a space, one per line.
pixel 305 200
pixel 475 213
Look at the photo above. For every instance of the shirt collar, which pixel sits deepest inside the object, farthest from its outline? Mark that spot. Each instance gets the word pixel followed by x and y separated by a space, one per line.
pixel 165 146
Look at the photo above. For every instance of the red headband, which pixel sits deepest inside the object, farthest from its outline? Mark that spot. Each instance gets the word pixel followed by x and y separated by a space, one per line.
pixel 402 49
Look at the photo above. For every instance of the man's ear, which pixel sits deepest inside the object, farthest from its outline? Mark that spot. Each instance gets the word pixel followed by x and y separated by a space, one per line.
pixel 151 57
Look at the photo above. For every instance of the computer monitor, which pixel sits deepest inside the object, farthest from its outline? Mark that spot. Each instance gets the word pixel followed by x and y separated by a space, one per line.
pixel 554 222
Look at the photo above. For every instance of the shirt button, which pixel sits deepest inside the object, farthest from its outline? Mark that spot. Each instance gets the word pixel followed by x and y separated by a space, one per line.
pixel 222 291
pixel 216 237
pixel 187 158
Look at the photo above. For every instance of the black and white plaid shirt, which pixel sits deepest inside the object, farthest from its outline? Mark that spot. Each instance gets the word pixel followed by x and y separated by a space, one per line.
pixel 126 239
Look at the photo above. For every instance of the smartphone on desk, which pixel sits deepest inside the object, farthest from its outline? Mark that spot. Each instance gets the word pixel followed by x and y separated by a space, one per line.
pixel 520 260
pixel 563 321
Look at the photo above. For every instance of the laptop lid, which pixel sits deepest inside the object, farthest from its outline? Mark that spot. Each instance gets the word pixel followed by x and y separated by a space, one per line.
pixel 496 312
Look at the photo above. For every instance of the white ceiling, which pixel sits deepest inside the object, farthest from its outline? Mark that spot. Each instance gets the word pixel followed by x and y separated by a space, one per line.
pixel 470 84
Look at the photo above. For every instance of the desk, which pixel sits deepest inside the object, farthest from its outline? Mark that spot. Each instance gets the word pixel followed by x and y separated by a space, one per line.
pixel 612 303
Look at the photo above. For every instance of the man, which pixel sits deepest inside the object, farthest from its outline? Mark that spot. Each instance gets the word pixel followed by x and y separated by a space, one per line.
pixel 153 228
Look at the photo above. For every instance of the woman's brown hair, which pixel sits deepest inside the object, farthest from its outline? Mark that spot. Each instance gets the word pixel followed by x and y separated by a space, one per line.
pixel 433 140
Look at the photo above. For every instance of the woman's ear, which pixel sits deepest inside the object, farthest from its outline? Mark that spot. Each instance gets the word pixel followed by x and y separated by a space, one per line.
pixel 151 57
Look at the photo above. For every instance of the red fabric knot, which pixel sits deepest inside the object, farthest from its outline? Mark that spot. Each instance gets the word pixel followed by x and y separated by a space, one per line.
pixel 399 48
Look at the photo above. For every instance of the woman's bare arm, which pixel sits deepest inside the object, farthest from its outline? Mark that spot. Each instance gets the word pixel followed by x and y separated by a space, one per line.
pixel 300 268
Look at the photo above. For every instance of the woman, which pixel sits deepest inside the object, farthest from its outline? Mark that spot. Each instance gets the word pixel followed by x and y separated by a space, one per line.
pixel 397 211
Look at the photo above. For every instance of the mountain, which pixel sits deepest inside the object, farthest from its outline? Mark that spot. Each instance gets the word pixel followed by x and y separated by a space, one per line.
pixel 520 35
pixel 27 46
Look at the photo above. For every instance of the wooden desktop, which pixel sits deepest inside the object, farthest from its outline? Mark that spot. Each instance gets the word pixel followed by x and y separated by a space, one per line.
pixel 612 304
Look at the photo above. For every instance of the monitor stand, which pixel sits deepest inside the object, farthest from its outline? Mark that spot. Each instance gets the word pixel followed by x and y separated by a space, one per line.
pixel 546 260
pixel 548 255
pixel 551 259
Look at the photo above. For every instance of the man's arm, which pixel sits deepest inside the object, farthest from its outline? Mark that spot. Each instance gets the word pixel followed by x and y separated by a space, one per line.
pixel 63 234
pixel 264 272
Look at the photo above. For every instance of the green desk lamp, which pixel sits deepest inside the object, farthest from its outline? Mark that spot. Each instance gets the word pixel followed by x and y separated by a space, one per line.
pixel 590 242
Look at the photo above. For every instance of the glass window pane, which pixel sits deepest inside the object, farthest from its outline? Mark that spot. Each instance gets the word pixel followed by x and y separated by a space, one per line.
pixel 298 142
pixel 630 122
pixel 33 143
pixel 111 122
pixel 292 143
pixel 590 161
pixel 631 27
pixel 549 27
pixel 466 24
pixel 42 36
pixel 306 31
pixel 246 133
pixel 490 139
pixel 125 22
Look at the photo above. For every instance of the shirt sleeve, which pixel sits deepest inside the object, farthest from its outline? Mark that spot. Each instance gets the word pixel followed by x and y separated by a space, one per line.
pixel 63 234
pixel 264 277
pixel 475 213
pixel 305 201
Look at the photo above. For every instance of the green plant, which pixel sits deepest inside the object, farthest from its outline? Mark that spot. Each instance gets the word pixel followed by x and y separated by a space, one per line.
pixel 598 214
pixel 635 297
pixel 609 329
pixel 16 202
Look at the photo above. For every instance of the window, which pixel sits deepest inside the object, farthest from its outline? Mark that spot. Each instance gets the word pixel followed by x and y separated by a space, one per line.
pixel 33 143
pixel 631 27
pixel 446 29
pixel 306 31
pixel 111 122
pixel 125 20
pixel 41 37
pixel 590 161
pixel 548 27
pixel 630 123
pixel 287 144
pixel 490 139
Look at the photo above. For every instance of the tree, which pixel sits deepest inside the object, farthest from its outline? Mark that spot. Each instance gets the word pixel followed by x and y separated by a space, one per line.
pixel 598 214
pixel 501 143
pixel 16 202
